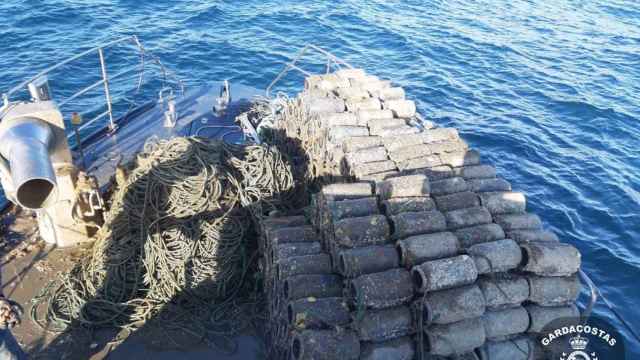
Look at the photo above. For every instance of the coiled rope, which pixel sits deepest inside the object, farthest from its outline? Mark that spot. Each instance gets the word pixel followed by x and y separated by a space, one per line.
pixel 177 244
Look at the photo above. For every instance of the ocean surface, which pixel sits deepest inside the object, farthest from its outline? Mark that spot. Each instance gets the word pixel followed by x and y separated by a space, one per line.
pixel 548 91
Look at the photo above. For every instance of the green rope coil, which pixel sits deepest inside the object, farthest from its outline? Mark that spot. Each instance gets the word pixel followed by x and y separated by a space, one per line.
pixel 177 243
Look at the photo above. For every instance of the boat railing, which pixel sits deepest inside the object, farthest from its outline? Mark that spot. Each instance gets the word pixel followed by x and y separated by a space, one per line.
pixel 168 77
pixel 332 62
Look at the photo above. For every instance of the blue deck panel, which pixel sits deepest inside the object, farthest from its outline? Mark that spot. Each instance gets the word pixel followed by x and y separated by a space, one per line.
pixel 103 150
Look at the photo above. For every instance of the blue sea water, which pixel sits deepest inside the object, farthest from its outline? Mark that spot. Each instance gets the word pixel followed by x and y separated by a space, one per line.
pixel 549 91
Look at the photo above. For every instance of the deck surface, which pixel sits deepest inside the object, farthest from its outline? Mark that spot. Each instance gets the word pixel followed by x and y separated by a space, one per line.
pixel 28 264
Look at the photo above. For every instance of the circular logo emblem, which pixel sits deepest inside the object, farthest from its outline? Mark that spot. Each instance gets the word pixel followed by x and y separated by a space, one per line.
pixel 579 339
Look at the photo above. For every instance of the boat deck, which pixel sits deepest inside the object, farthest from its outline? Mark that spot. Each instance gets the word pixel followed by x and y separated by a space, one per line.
pixel 28 263
pixel 103 150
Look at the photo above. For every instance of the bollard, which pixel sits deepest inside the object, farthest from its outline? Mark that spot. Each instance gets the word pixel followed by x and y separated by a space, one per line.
pixel 302 265
pixel 361 231
pixel 366 155
pixel 525 236
pixel 520 348
pixel 384 324
pixel 325 345
pixel 551 259
pixel 404 186
pixel 323 313
pixel 489 185
pixel 462 218
pixel 360 142
pixel 499 324
pixel 496 256
pixel 476 172
pixel 377 167
pixel 449 186
pixel 504 291
pixel 479 234
pixel 367 260
pixel 454 338
pixel 339 210
pixel 398 205
pixel 416 223
pixel 444 273
pixel 401 108
pixel 541 316
pixel 380 290
pixel 519 222
pixel 453 305
pixel 417 249
pixel 456 201
pixel 402 348
pixel 505 202
pixel 461 158
pixel 551 291
pixel 301 286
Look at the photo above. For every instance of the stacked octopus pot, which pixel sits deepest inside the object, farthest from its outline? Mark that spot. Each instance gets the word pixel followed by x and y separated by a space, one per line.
pixel 427 252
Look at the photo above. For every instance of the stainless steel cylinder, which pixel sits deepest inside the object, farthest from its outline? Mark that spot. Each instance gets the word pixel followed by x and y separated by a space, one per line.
pixel 26 145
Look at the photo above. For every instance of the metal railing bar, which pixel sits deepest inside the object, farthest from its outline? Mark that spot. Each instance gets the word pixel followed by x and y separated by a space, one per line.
pixel 85 125
pixel 48 70
pixel 306 73
pixel 93 86
pixel 81 92
pixel 164 70
pixel 107 93
pixel 292 64
pixel 330 55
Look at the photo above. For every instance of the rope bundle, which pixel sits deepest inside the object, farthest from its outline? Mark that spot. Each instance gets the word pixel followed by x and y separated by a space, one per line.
pixel 176 238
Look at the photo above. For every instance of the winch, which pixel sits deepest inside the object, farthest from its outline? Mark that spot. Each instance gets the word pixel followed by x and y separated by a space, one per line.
pixel 37 172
